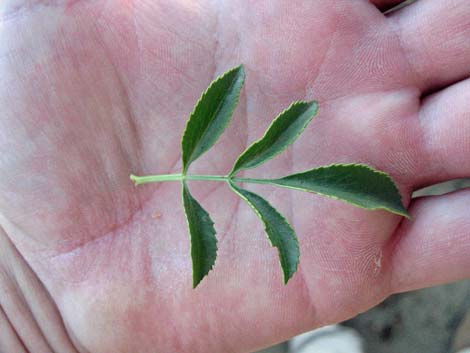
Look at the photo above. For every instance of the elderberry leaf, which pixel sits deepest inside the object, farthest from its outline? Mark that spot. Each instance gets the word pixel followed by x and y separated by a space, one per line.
pixel 279 231
pixel 282 132
pixel 211 115
pixel 202 234
pixel 357 184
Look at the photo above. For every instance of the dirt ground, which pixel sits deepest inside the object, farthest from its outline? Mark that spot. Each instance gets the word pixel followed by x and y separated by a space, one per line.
pixel 423 321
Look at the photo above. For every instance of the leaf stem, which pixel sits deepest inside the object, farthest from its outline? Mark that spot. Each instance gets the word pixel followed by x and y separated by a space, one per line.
pixel 155 178
pixel 207 177
pixel 138 180
pixel 252 180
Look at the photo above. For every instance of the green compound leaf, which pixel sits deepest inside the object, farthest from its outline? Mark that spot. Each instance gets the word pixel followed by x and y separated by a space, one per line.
pixel 357 184
pixel 282 132
pixel 280 233
pixel 211 115
pixel 202 233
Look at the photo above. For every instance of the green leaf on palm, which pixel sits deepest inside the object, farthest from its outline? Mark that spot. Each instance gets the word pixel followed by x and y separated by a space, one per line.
pixel 211 115
pixel 282 132
pixel 279 231
pixel 202 233
pixel 357 184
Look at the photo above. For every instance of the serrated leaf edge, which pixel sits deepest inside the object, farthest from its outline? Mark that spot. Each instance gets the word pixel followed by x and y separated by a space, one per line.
pixel 218 78
pixel 404 214
pixel 195 284
pixel 285 278
pixel 233 171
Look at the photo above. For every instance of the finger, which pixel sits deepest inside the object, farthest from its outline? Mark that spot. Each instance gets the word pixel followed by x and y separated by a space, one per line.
pixel 9 340
pixel 435 36
pixel 27 305
pixel 433 247
pixel 445 124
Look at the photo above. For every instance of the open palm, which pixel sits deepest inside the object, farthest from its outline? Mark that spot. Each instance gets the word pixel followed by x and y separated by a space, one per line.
pixel 91 91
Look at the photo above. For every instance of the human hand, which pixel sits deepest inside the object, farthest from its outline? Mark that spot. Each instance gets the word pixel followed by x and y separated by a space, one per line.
pixel 91 91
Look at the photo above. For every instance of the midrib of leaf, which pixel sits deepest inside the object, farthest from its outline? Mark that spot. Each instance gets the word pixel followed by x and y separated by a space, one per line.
pixel 400 212
pixel 280 142
pixel 214 115
pixel 202 235
pixel 278 182
pixel 219 106
pixel 285 246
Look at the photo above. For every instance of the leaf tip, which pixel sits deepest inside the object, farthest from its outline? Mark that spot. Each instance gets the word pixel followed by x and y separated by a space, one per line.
pixel 240 72
pixel 289 273
pixel 196 281
pixel 399 211
pixel 287 277
pixel 405 214
pixel 308 104
pixel 240 68
pixel 211 114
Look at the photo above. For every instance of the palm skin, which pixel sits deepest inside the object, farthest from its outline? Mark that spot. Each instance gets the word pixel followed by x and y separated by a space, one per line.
pixel 103 89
